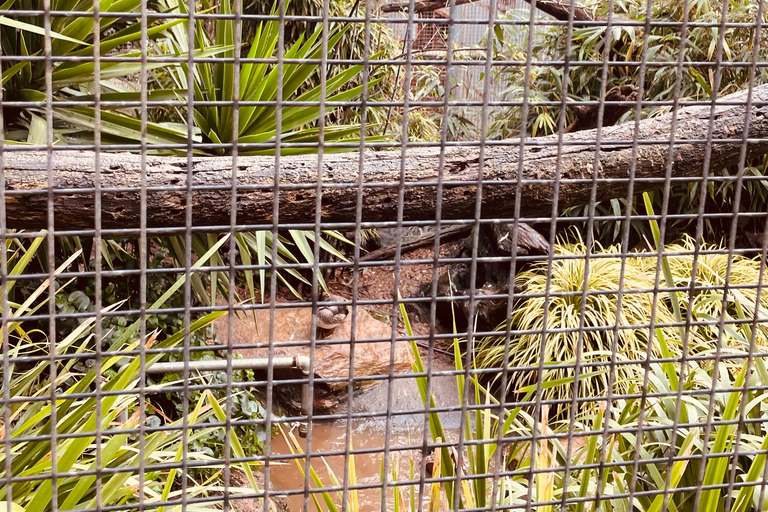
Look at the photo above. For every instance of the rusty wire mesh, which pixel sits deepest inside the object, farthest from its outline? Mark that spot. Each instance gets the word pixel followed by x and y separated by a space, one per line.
pixel 548 217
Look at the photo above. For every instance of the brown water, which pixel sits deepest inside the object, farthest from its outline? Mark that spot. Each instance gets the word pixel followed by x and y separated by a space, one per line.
pixel 332 437
pixel 367 434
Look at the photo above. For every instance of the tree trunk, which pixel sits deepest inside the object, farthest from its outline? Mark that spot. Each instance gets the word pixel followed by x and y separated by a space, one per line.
pixel 73 174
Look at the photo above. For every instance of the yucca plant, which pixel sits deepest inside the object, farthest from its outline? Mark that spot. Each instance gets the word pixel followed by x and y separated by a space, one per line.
pixel 73 36
pixel 258 82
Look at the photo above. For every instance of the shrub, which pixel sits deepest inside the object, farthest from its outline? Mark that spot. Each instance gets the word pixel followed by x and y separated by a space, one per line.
pixel 72 37
pixel 601 342
pixel 603 464
pixel 716 269
pixel 662 45
pixel 257 124
pixel 78 451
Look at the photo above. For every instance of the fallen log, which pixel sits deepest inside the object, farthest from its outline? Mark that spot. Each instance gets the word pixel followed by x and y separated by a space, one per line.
pixel 26 181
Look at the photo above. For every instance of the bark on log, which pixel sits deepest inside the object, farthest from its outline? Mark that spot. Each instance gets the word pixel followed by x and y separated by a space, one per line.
pixel 26 172
pixel 426 5
pixel 561 10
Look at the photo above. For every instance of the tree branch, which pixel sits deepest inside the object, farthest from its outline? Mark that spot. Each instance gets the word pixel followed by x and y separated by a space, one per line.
pixel 556 8
pixel 121 176
pixel 425 5
pixel 560 10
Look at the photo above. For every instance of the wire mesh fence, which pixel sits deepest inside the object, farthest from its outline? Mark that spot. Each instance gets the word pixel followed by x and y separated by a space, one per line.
pixel 358 256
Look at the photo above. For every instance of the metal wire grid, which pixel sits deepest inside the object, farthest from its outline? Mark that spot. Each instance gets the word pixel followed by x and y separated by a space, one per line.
pixel 388 415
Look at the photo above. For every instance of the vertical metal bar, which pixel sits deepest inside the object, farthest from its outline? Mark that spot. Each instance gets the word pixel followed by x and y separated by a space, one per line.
pixel 746 387
pixel 538 409
pixel 273 260
pixel 572 415
pixel 143 252
pixel 436 247
pixel 473 266
pixel 186 345
pixel 97 287
pixel 737 189
pixel 51 249
pixel 366 71
pixel 228 403
pixel 626 229
pixel 760 285
pixel 698 242
pixel 500 434
pixel 660 249
pixel 627 226
pixel 316 246
pixel 398 248
pixel 5 312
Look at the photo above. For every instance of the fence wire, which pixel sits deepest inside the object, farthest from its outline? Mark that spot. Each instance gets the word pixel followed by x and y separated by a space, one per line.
pixel 379 256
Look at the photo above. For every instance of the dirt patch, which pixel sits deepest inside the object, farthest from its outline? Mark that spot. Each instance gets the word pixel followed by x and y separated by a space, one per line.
pixel 415 280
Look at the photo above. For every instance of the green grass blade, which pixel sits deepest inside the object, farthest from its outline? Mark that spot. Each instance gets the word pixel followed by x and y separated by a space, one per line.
pixel 717 467
pixel 20 25
pixel 665 266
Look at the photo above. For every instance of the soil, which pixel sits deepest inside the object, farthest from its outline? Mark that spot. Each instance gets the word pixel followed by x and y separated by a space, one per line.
pixel 415 280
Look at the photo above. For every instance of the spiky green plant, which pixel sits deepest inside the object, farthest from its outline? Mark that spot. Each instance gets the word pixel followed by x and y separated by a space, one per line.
pixel 667 458
pixel 78 449
pixel 258 82
pixel 606 445
pixel 23 36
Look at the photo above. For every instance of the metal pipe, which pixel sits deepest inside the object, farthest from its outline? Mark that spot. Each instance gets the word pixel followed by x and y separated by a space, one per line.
pixel 260 363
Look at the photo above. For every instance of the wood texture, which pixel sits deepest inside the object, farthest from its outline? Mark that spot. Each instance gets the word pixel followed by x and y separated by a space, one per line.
pixel 558 9
pixel 426 5
pixel 576 166
pixel 561 10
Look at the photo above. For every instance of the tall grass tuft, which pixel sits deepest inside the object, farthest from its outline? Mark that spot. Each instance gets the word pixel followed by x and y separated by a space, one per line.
pixel 603 321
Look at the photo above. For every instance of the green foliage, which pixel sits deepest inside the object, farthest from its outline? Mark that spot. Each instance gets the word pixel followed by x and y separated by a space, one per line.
pixel 660 45
pixel 258 82
pixel 624 331
pixel 425 123
pixel 244 405
pixel 657 445
pixel 78 450
pixel 606 445
pixel 254 248
pixel 73 36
